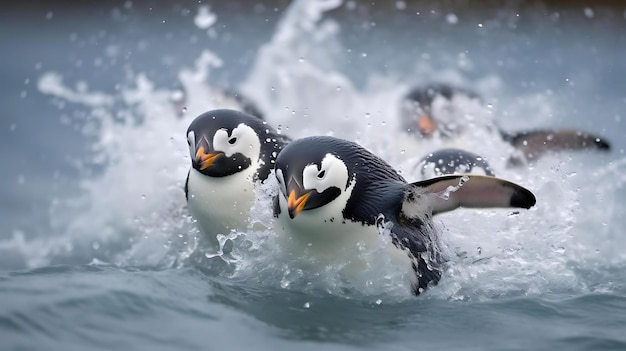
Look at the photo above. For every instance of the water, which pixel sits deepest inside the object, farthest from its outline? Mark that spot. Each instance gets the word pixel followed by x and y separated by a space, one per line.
pixel 97 250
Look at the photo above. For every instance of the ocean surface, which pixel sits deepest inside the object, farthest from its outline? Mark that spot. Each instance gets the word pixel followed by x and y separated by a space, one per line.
pixel 98 251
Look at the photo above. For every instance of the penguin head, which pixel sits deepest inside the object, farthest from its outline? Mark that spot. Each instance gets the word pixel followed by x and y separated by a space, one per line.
pixel 433 109
pixel 224 142
pixel 452 161
pixel 312 175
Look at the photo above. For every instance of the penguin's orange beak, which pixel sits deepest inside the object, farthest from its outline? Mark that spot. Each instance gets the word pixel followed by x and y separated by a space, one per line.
pixel 426 125
pixel 204 160
pixel 296 203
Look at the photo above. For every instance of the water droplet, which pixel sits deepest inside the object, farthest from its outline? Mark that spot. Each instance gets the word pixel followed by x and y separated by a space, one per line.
pixel 338 88
pixel 301 59
pixel 363 54
pixel 184 109
pixel 402 152
pixel 589 12
pixel 400 5
pixel 307 305
pixel 49 15
pixel 452 18
pixel 379 301
pixel 143 196
pixel 480 25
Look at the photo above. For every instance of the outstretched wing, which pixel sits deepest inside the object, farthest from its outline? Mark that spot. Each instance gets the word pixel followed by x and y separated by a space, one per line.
pixel 413 230
pixel 187 186
pixel 537 142
pixel 447 193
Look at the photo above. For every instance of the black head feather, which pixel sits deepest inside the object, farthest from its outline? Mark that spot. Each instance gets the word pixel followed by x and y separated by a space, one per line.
pixel 207 124
pixel 378 186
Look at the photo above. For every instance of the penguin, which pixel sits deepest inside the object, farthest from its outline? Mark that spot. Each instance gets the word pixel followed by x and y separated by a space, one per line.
pixel 452 161
pixel 338 191
pixel 230 151
pixel 432 110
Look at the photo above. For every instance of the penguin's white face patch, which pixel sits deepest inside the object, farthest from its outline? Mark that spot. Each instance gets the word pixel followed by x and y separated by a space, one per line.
pixel 191 141
pixel 332 173
pixel 281 181
pixel 243 140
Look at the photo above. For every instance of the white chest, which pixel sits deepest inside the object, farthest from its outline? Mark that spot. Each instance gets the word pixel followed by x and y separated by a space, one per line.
pixel 322 236
pixel 220 204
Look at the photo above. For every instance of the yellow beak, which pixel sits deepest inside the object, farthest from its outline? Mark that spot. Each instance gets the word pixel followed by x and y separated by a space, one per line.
pixel 296 204
pixel 426 124
pixel 205 160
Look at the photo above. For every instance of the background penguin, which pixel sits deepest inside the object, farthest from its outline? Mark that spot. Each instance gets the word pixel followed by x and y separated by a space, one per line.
pixel 229 150
pixel 333 192
pixel 452 161
pixel 432 110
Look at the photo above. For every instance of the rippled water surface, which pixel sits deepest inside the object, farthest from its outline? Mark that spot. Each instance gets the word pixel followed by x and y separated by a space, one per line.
pixel 98 251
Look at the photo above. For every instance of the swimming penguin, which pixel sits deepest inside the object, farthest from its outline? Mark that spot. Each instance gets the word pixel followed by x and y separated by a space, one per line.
pixel 433 110
pixel 338 191
pixel 230 150
pixel 453 161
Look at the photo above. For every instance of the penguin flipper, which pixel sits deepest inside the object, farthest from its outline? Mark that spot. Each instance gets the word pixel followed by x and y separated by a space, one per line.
pixel 450 192
pixel 536 142
pixel 187 186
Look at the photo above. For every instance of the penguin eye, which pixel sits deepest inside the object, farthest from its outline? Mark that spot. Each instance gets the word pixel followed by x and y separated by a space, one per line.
pixel 232 141
pixel 321 174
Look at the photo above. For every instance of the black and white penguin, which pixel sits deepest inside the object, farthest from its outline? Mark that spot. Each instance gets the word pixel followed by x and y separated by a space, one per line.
pixel 334 192
pixel 439 110
pixel 453 161
pixel 432 110
pixel 230 151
